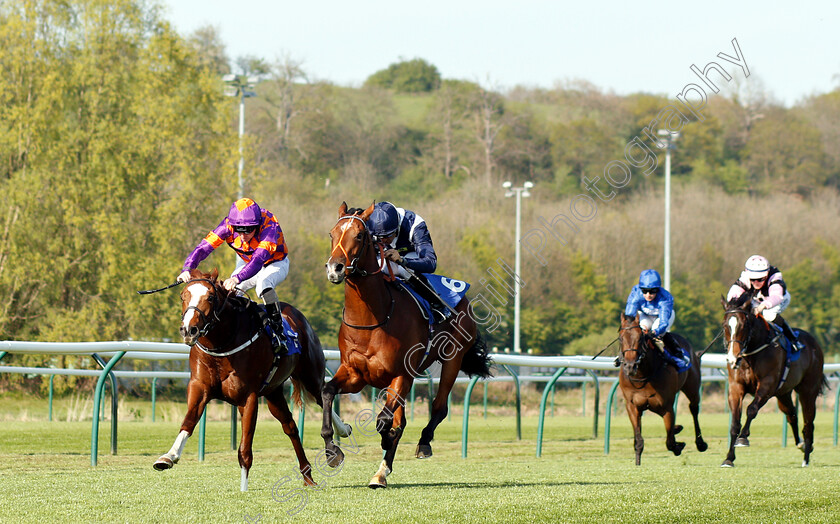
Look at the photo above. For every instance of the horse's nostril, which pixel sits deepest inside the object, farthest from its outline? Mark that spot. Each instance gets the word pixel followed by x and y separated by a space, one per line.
pixel 339 268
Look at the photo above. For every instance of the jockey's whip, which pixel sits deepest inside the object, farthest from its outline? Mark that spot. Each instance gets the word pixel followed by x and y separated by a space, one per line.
pixel 606 348
pixel 432 291
pixel 710 343
pixel 150 291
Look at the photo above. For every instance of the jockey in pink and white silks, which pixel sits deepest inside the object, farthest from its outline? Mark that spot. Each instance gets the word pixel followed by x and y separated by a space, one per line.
pixel 768 293
pixel 263 258
pixel 655 307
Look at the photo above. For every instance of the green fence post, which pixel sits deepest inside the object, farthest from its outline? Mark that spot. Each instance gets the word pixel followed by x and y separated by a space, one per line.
pixel 518 402
pixel 202 433
pixel 412 399
pixel 431 391
pixel 608 420
pixel 301 417
pixel 485 399
pixel 52 377
pixel 583 399
pixel 97 395
pixel 836 412
pixel 465 429
pixel 548 388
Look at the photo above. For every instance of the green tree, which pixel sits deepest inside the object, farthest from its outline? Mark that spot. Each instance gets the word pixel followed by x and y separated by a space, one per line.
pixel 407 76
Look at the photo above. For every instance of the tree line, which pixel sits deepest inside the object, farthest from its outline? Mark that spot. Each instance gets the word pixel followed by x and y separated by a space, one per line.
pixel 118 152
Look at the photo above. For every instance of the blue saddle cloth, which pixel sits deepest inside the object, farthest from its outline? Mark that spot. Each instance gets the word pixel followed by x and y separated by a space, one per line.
pixel 292 339
pixel 787 345
pixel 682 364
pixel 450 290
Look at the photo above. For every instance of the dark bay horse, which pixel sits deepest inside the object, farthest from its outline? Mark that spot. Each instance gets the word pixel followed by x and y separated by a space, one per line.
pixel 649 383
pixel 231 359
pixel 384 342
pixel 758 366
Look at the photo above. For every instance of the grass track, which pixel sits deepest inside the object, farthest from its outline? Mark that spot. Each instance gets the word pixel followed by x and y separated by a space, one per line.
pixel 45 476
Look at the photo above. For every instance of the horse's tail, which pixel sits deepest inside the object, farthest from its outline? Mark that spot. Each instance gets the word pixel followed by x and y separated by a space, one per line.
pixel 296 397
pixel 823 385
pixel 476 360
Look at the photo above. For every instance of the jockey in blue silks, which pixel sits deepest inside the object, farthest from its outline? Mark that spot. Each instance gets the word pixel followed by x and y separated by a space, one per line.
pixel 407 244
pixel 655 306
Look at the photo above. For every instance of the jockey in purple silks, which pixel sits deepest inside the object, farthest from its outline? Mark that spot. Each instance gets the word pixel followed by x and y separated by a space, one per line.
pixel 263 262
pixel 767 291
pixel 655 306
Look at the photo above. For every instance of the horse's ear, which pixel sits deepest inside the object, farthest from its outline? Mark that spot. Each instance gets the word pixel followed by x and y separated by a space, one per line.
pixel 724 303
pixel 366 213
pixel 214 275
pixel 342 209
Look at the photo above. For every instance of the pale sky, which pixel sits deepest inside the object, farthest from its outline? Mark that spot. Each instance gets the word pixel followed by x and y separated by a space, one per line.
pixel 623 47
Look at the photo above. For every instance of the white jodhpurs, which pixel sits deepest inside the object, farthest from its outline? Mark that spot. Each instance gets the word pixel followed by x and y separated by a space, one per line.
pixel 651 323
pixel 268 277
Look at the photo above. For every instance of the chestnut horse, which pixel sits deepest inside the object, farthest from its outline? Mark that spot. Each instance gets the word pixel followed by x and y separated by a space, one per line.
pixel 231 359
pixel 648 382
pixel 384 342
pixel 758 366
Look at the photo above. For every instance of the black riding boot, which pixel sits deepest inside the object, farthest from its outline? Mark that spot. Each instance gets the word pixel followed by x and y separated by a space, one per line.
pixel 421 285
pixel 670 345
pixel 275 318
pixel 782 323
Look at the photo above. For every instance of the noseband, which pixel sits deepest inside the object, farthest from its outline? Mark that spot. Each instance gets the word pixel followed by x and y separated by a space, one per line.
pixel 745 340
pixel 641 351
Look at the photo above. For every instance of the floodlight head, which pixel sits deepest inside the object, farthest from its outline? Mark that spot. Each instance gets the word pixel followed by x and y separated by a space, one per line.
pixel 509 194
pixel 229 79
pixel 231 91
pixel 507 185
pixel 528 185
pixel 526 193
pixel 663 132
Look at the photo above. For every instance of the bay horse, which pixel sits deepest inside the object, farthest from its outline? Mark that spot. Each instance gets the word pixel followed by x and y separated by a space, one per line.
pixel 384 342
pixel 231 358
pixel 758 365
pixel 648 382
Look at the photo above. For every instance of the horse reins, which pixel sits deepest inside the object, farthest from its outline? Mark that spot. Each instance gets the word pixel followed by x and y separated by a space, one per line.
pixel 352 268
pixel 209 324
pixel 640 350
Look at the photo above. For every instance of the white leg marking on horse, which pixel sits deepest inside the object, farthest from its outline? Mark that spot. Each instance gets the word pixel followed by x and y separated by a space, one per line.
pixel 178 447
pixel 243 482
pixel 733 333
pixel 341 428
pixel 197 291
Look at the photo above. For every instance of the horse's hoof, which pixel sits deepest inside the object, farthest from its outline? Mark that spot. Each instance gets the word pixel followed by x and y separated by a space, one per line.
pixel 678 447
pixel 163 463
pixel 701 445
pixel 805 463
pixel 727 464
pixel 423 451
pixel 677 429
pixel 742 442
pixel 335 457
pixel 801 446
pixel 376 483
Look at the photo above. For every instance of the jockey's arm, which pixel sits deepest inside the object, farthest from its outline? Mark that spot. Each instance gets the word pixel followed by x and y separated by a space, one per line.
pixel 426 261
pixel 213 240
pixel 666 307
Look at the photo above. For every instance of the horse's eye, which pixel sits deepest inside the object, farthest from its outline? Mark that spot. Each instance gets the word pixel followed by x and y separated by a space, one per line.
pixel 360 236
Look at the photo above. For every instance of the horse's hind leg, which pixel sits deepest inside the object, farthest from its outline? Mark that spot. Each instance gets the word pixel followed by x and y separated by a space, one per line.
pixel 197 398
pixel 276 403
pixel 448 374
pixel 671 430
pixel 809 412
pixel 787 407
pixel 249 424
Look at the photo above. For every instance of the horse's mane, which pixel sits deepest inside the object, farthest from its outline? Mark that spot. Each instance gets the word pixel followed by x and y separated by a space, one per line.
pixel 355 211
pixel 740 300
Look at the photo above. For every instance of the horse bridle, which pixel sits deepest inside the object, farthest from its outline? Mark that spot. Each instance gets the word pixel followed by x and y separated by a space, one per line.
pixel 208 324
pixel 352 268
pixel 640 350
pixel 744 342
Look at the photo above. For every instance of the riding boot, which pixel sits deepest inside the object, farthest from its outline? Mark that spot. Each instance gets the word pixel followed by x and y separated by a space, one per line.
pixel 275 318
pixel 782 323
pixel 424 289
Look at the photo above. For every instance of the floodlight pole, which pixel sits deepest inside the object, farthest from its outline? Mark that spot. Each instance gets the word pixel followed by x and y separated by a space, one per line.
pixel 519 192
pixel 239 86
pixel 670 139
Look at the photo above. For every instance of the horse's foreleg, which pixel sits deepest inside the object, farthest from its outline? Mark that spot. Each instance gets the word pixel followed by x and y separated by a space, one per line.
pixel 736 397
pixel 391 423
pixel 331 420
pixel 692 392
pixel 249 423
pixel 762 395
pixel 197 398
pixel 635 415
pixel 276 403
pixel 787 407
